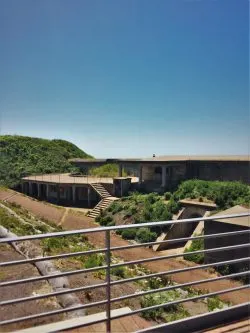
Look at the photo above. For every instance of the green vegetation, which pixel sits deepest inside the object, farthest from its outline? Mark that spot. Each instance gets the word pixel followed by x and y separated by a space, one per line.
pixel 22 156
pixel 167 195
pixel 224 194
pixel 139 208
pixel 214 303
pixel 169 313
pixel 94 260
pixel 144 235
pixel 11 223
pixel 107 170
pixel 196 245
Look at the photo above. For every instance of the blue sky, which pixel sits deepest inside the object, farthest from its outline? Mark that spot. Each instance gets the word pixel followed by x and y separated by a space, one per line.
pixel 127 78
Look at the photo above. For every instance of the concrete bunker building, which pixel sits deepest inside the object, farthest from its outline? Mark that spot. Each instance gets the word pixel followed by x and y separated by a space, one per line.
pixel 156 174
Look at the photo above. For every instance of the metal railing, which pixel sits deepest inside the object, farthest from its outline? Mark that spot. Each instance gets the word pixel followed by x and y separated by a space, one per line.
pixel 109 283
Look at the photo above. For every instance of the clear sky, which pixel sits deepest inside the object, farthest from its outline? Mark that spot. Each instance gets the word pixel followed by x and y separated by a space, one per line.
pixel 127 78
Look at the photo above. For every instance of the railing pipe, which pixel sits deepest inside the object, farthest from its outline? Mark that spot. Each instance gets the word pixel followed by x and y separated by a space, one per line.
pixel 108 290
pixel 216 249
pixel 196 298
pixel 120 227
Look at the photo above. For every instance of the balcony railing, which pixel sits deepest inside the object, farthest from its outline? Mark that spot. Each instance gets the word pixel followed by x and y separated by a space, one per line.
pixel 108 284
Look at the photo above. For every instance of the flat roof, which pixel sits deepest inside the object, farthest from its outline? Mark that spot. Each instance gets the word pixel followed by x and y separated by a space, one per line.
pixel 66 178
pixel 168 158
pixel 243 221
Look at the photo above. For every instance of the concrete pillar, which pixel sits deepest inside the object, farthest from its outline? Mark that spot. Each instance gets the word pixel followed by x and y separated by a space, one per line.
pixel 58 193
pixel 39 190
pixel 164 176
pixel 73 193
pixel 140 174
pixel 89 193
pixel 47 191
pixel 120 170
pixel 30 189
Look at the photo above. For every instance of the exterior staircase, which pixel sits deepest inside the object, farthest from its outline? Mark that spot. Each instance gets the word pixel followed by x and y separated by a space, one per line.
pixel 100 189
pixel 106 200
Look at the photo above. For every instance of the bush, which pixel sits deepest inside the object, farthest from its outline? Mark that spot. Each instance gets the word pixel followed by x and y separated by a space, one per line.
pixel 107 170
pixel 214 303
pixel 106 220
pixel 197 244
pixel 94 260
pixel 173 206
pixel 157 299
pixel 119 271
pixel 128 233
pixel 144 235
pixel 167 195
pixel 224 194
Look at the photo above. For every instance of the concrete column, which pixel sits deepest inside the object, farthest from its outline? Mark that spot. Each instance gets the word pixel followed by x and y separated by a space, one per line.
pixel 22 187
pixel 30 189
pixel 58 193
pixel 164 176
pixel 47 191
pixel 89 193
pixel 39 190
pixel 73 193
pixel 120 170
pixel 140 174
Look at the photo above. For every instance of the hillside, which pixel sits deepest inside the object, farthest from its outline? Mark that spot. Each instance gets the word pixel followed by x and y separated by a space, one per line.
pixel 22 155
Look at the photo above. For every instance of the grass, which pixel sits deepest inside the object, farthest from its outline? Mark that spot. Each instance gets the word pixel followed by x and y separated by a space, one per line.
pixel 196 245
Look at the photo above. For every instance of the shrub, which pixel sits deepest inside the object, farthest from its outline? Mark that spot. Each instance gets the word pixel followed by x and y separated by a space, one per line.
pixel 214 303
pixel 167 195
pixel 106 220
pixel 119 271
pixel 224 194
pixel 128 233
pixel 156 299
pixel 197 244
pixel 94 260
pixel 144 235
pixel 107 170
pixel 173 206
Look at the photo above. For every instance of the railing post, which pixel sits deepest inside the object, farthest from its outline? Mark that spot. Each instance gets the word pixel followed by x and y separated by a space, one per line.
pixel 108 296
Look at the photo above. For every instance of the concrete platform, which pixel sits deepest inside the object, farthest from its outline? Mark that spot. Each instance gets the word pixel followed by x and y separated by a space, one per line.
pixel 66 178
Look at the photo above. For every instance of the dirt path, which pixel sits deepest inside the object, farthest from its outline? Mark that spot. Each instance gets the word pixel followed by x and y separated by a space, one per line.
pixel 75 220
pixel 66 211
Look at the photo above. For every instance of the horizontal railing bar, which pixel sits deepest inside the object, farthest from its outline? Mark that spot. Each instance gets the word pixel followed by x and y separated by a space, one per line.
pixel 225 291
pixel 46 277
pixel 120 227
pixel 176 240
pixel 181 270
pixel 51 276
pixel 50 313
pixel 75 254
pixel 31 298
pixel 181 285
pixel 56 293
pixel 216 249
pixel 58 256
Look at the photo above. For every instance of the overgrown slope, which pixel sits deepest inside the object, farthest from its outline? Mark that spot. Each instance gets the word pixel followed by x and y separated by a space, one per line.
pixel 22 155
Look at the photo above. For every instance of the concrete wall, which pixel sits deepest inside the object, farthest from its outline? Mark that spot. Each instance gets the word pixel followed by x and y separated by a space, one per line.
pixel 213 227
pixel 206 170
pixel 224 171
pixel 122 186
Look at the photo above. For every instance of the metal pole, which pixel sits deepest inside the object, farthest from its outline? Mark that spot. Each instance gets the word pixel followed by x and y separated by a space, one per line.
pixel 108 296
